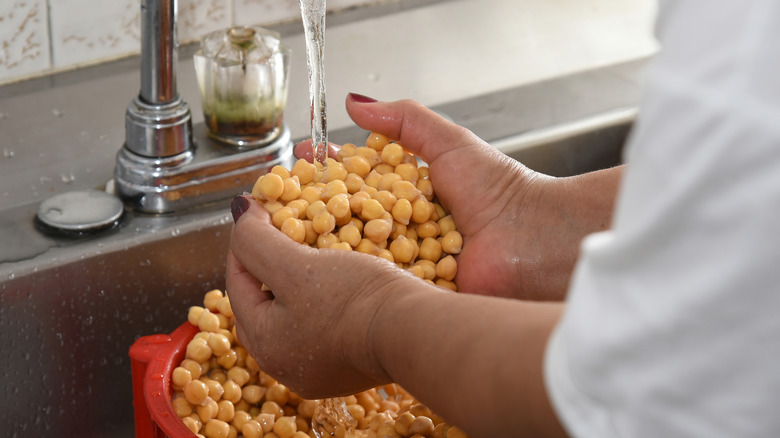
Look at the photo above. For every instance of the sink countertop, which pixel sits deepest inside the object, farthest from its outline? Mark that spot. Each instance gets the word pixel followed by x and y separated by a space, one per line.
pixel 62 132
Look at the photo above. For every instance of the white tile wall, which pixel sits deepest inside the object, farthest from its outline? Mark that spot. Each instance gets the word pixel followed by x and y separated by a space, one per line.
pixel 24 38
pixel 38 37
pixel 42 36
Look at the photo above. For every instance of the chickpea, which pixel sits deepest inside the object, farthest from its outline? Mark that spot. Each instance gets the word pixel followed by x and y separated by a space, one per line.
pixel 446 224
pixel 294 229
pixel 338 206
pixel 324 222
pixel 371 209
pixel 269 187
pixel 231 391
pixel 425 186
pixel 193 316
pixel 223 307
pixel 327 240
pixel 384 168
pixel 208 410
pixel 372 179
pixel 311 194
pixel 387 255
pixel 253 393
pixel 350 234
pixel 334 171
pixel 304 170
pixel 226 411
pixel 333 188
pixel 282 215
pixel 371 154
pixel 192 366
pixel 402 211
pixel 291 190
pixel 353 182
pixel 285 427
pixel 228 360
pixel 393 154
pixel 193 424
pixel 180 377
pixel 421 210
pixel 239 375
pixel 421 426
pixel 271 407
pixel 215 389
pixel 408 172
pixel 216 429
pixel 198 350
pixel 366 246
pixel 377 230
pixel 281 171
pixel 306 408
pixel 385 198
pixel 278 393
pixel 428 229
pixel 347 150
pixel 447 268
pixel 181 407
pixel 446 284
pixel 210 299
pixel 402 249
pixel 357 411
pixel 377 141
pixel 218 343
pixel 300 205
pixel 452 242
pixel 357 165
pixel 252 429
pixel 402 423
pixel 387 180
pixel 266 421
pixel 405 190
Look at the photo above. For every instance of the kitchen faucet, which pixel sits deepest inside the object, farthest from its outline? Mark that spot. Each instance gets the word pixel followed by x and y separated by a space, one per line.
pixel 166 165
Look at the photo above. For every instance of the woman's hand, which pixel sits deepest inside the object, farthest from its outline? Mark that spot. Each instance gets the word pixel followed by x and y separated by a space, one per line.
pixel 521 229
pixel 318 312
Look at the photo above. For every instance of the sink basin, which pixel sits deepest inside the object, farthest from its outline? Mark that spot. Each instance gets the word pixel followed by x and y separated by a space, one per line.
pixel 70 307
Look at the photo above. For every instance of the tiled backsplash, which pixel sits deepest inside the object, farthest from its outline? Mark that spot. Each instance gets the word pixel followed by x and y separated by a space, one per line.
pixel 42 36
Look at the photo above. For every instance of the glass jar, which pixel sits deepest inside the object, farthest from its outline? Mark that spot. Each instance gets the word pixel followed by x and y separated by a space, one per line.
pixel 242 74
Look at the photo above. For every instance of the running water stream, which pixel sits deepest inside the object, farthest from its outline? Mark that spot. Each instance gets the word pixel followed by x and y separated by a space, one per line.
pixel 313 15
pixel 332 413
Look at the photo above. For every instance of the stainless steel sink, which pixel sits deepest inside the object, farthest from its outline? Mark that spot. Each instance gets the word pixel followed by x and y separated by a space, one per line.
pixel 71 306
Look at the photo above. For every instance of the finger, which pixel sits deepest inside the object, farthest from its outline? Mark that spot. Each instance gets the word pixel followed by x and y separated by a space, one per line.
pixel 265 252
pixel 246 294
pixel 304 150
pixel 421 130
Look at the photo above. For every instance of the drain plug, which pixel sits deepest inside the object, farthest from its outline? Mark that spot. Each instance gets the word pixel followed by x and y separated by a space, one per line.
pixel 81 211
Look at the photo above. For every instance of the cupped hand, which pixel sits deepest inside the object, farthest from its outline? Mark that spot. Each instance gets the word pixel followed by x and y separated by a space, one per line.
pixel 310 325
pixel 520 239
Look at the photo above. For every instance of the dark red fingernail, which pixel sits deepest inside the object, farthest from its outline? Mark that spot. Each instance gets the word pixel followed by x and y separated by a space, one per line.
pixel 359 98
pixel 239 205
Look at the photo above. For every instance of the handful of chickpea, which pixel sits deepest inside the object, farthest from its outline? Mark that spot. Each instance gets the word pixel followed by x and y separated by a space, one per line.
pixel 373 199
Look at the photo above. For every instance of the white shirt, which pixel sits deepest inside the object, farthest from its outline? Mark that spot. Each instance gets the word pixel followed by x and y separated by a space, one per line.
pixel 673 322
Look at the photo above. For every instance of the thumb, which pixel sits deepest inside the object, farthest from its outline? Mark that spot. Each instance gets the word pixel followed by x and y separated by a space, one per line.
pixel 420 130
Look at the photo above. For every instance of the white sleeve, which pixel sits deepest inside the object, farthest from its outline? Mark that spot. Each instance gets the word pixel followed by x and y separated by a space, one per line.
pixel 673 322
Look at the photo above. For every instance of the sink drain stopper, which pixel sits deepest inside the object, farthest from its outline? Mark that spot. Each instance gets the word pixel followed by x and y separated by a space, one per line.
pixel 81 211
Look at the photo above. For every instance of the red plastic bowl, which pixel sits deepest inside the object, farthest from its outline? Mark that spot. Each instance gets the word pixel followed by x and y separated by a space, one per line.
pixel 153 359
